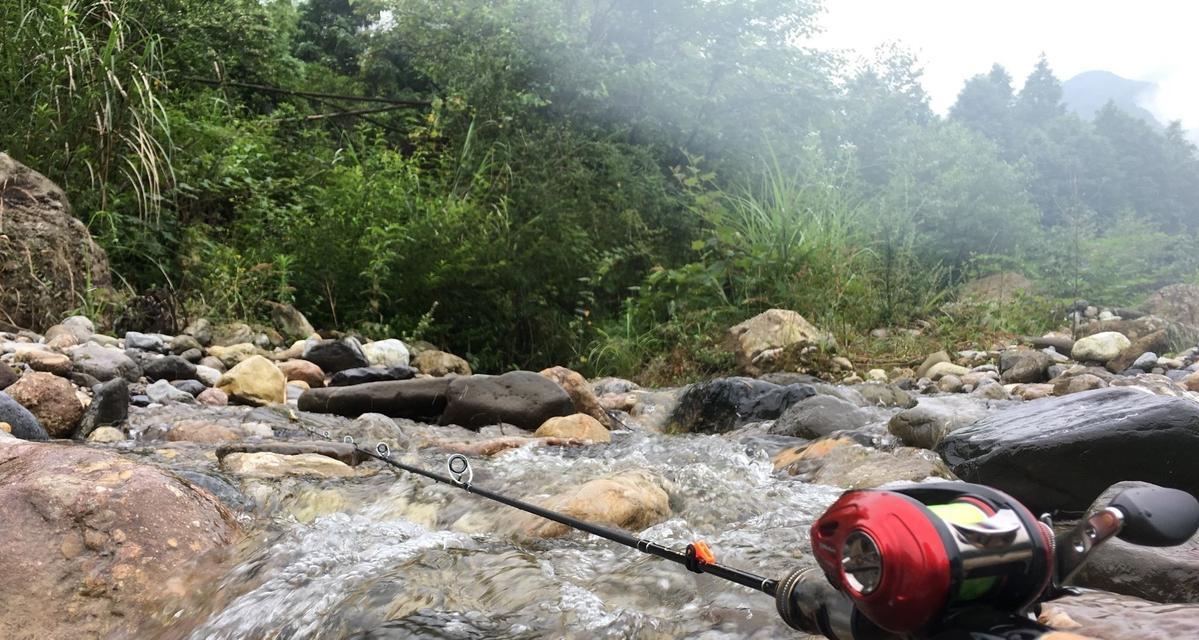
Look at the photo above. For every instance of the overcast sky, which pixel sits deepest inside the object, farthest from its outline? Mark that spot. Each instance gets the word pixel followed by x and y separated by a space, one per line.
pixel 1155 40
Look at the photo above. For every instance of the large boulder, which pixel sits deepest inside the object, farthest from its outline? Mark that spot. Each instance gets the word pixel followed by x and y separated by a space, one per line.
pixel 633 500
pixel 768 333
pixel 1161 574
pixel 1059 453
pixel 51 399
pixel 24 424
pixel 387 353
pixel 1176 303
pixel 932 419
pixel 421 399
pixel 724 404
pixel 521 398
pixel 363 375
pixel 289 321
pixel 255 381
pixel 92 541
pixel 48 260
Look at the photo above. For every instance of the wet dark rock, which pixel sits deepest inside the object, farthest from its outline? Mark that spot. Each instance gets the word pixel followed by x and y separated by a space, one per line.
pixel 335 355
pixel 521 398
pixel 83 380
pixel 1154 573
pixel 109 407
pixel 721 405
pixel 219 488
pixel 169 368
pixel 7 376
pixel 785 378
pixel 140 400
pixel 194 387
pixel 820 416
pixel 342 451
pixel 363 375
pixel 932 419
pixel 1059 453
pixel 415 399
pixel 24 425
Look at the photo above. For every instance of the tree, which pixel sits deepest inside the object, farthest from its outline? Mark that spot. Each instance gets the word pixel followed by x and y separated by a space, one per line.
pixel 985 104
pixel 1040 99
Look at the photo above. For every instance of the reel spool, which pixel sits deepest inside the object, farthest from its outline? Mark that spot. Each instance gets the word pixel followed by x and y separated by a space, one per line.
pixel 906 556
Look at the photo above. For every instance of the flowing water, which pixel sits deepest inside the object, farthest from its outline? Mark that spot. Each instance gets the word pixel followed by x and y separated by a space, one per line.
pixel 394 555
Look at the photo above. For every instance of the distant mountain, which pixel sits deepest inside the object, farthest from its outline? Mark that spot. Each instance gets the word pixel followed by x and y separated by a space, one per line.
pixel 1087 92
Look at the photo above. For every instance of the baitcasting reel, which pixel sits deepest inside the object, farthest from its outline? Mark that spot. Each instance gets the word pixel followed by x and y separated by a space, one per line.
pixel 925 559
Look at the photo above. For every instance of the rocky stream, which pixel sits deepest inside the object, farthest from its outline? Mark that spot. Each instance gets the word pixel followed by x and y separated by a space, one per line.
pixel 198 486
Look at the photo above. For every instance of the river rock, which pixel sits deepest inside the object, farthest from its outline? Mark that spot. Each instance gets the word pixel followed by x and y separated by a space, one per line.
pixel 578 426
pixel 201 431
pixel 1176 303
pixel 170 368
pixel 1065 384
pixel 420 399
pixel 289 321
pixel 228 335
pixel 104 435
pixel 47 362
pixel 941 369
pixel 7 376
pixel 769 332
pixel 520 398
pixel 231 356
pixel 213 398
pixel 335 355
pixel 1128 358
pixel 632 500
pixel 1161 574
pixel 932 360
pixel 439 363
pixel 145 342
pixel 254 381
pixel 363 375
pixel 164 392
pixel 932 419
pixel 846 464
pixel 183 344
pixel 304 371
pixel 885 395
pixel 1110 616
pixel 109 407
pixel 194 387
pixel 387 353
pixel 1024 366
pixel 605 386
pixel 1100 347
pixel 581 395
pixel 49 260
pixel 723 404
pixel 1145 362
pixel 101 537
pixel 1032 391
pixel 342 451
pixel 103 363
pixel 51 399
pixel 21 422
pixel 820 416
pixel 1059 453
pixel 79 328
pixel 274 465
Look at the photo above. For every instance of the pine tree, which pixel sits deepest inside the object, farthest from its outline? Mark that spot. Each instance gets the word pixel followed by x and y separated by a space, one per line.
pixel 1040 99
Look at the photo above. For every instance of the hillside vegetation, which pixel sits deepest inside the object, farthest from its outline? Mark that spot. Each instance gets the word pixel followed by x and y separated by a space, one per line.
pixel 591 182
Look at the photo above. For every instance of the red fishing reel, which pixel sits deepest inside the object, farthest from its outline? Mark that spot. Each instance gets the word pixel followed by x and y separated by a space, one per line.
pixel 907 556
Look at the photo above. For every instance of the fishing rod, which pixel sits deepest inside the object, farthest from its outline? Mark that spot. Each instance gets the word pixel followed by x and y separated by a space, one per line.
pixel 936 561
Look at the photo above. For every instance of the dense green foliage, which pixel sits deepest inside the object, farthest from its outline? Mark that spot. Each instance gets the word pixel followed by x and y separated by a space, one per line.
pixel 607 183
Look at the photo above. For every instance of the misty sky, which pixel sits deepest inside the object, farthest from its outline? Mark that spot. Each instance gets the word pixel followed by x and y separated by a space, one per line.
pixel 1155 40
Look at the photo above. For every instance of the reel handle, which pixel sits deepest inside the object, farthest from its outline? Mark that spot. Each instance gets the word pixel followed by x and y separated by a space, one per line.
pixel 1157 516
